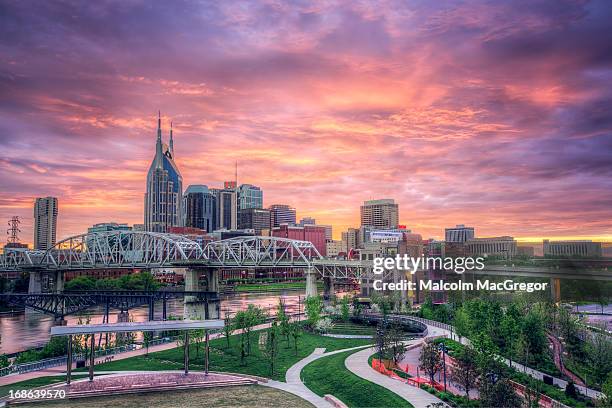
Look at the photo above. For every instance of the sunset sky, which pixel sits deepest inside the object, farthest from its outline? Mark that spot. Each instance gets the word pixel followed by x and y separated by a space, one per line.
pixel 493 114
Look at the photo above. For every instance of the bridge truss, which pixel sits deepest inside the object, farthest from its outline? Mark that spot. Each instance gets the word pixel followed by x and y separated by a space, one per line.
pixel 144 250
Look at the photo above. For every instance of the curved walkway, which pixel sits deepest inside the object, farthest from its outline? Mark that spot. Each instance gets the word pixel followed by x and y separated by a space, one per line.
pixel 294 382
pixel 357 363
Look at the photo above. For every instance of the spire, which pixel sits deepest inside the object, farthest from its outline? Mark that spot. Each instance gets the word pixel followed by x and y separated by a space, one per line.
pixel 158 146
pixel 171 144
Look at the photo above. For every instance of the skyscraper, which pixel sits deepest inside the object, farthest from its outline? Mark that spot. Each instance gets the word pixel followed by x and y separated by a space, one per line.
pixel 200 207
pixel 249 196
pixel 45 223
pixel 257 219
pixel 460 233
pixel 163 199
pixel 227 217
pixel 281 214
pixel 381 214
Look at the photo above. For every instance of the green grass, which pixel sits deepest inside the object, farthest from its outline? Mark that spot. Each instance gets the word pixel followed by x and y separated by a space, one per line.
pixel 34 383
pixel 329 375
pixel 228 359
pixel 352 328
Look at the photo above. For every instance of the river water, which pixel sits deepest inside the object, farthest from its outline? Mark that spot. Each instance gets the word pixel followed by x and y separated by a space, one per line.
pixel 31 329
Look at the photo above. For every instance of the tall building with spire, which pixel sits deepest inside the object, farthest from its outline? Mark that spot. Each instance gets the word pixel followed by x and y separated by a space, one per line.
pixel 164 187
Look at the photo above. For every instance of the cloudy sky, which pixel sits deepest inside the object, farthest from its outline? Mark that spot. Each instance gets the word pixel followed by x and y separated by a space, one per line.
pixel 492 114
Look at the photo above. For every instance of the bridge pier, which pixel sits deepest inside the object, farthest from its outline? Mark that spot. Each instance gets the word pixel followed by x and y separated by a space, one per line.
pixel 194 307
pixel 555 290
pixel 328 289
pixel 311 282
pixel 35 285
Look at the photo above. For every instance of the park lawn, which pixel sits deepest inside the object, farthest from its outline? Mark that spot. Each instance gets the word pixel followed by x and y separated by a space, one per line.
pixel 228 359
pixel 329 375
pixel 34 383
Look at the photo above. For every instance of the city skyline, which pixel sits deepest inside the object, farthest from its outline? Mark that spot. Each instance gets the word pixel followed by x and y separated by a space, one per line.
pixel 332 106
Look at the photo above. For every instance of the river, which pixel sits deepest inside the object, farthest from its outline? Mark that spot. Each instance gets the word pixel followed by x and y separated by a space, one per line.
pixel 31 329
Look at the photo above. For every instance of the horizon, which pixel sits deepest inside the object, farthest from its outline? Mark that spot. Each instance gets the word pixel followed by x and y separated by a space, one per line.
pixel 328 107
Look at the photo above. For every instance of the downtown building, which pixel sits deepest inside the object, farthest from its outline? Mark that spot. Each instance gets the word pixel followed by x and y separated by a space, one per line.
pixel 163 199
pixel 579 248
pixel 45 223
pixel 380 214
pixel 460 233
pixel 281 214
pixel 503 247
pixel 249 196
pixel 108 227
pixel 200 208
pixel 256 219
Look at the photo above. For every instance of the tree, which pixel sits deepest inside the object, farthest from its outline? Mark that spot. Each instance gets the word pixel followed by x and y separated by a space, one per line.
pixel 461 323
pixel 345 309
pixel 430 361
pixel 283 321
pixel 570 390
pixel 397 348
pixel 498 393
pixel 313 307
pixel 465 373
pixel 147 336
pixel 271 346
pixel 599 354
pixel 510 330
pixel 296 332
pixel 4 361
pixel 381 340
pixel 606 390
pixel 228 328
pixel 246 320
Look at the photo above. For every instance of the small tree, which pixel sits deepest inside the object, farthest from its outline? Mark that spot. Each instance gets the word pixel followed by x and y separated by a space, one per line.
pixel 465 373
pixel 397 348
pixel 313 307
pixel 147 336
pixel 228 328
pixel 296 332
pixel 570 390
pixel 283 321
pixel 345 310
pixel 271 346
pixel 430 361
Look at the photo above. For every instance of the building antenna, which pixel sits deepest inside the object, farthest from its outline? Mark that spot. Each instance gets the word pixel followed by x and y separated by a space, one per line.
pixel 13 231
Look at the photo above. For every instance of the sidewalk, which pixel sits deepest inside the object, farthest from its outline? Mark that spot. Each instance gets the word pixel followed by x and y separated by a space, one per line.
pixel 357 363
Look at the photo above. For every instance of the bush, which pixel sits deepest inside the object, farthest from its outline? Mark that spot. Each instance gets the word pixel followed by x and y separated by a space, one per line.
pixel 324 325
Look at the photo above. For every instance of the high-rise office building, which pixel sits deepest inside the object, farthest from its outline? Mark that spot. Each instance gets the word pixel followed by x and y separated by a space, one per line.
pixel 350 240
pixel 45 223
pixel 460 233
pixel 227 217
pixel 200 208
pixel 494 246
pixel 163 199
pixel 107 227
pixel 281 214
pixel 249 196
pixel 257 219
pixel 380 214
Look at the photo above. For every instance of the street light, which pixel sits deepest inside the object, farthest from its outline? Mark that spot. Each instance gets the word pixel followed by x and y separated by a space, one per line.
pixel 442 347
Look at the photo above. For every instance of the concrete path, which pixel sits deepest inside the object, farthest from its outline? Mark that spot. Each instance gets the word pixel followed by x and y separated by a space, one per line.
pixel 294 382
pixel 357 363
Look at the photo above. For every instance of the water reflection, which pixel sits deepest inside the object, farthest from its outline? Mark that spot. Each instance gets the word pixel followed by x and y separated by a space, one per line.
pixel 31 329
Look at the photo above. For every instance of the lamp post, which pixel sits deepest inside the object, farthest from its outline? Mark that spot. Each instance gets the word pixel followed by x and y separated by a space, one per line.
pixel 442 347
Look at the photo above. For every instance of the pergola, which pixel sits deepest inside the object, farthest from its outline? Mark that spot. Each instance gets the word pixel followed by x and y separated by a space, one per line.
pixel 93 329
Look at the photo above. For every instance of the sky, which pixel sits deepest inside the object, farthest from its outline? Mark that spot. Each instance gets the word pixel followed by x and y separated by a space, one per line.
pixel 491 114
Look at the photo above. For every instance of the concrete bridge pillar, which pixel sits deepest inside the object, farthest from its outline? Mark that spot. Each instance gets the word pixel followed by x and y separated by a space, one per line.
pixel 311 282
pixel 196 308
pixel 555 289
pixel 59 282
pixel 35 285
pixel 328 289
